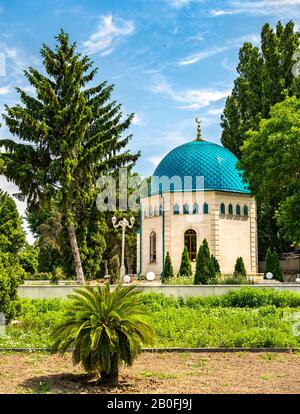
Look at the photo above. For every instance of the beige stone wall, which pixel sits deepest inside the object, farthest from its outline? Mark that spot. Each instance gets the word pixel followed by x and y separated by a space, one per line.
pixel 228 236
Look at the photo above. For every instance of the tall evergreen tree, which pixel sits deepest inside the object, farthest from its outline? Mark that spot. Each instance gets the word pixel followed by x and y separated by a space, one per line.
pixel 205 270
pixel 168 268
pixel 71 136
pixel 239 268
pixel 185 266
pixel 272 265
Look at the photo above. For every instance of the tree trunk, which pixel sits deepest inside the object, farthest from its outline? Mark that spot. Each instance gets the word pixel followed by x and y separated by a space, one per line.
pixel 76 255
pixel 110 379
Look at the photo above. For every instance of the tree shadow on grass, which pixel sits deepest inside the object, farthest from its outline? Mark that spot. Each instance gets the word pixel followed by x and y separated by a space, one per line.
pixel 67 383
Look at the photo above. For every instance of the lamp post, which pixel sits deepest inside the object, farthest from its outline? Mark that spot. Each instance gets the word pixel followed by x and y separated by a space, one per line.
pixel 123 224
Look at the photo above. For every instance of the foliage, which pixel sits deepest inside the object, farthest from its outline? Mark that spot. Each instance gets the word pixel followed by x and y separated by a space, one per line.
pixel 234 280
pixel 239 268
pixel 272 265
pixel 29 259
pixel 264 79
pixel 12 236
pixel 274 151
pixel 11 275
pixel 105 328
pixel 68 136
pixel 179 280
pixel 250 317
pixel 216 264
pixel 114 269
pixel 205 269
pixel 185 266
pixel 168 269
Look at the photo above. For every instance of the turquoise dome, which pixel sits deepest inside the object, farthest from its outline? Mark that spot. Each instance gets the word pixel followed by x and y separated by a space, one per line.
pixel 200 159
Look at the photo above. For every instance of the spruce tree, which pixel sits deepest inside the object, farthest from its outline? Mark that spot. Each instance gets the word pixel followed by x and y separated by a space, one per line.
pixel 186 265
pixel 168 268
pixel 272 265
pixel 205 271
pixel 70 136
pixel 239 268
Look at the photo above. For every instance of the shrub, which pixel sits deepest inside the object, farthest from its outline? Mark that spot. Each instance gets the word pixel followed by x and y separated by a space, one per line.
pixel 272 265
pixel 105 328
pixel 29 259
pixel 168 269
pixel 205 270
pixel 38 276
pixel 185 266
pixel 114 269
pixel 11 275
pixel 57 274
pixel 239 268
pixel 215 264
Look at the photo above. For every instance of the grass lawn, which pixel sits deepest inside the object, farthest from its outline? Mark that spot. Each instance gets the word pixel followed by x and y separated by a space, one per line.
pixel 267 373
pixel 244 318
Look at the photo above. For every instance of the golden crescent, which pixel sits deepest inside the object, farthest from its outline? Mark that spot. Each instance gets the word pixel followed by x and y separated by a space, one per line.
pixel 197 120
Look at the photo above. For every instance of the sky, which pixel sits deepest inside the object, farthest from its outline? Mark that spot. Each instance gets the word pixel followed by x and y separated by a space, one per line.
pixel 170 60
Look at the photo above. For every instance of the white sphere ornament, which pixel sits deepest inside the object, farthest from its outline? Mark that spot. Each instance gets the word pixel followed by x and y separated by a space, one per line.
pixel 150 276
pixel 269 275
pixel 298 279
pixel 127 279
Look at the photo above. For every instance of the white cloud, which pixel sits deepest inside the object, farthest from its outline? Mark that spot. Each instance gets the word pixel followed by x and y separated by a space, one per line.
pixel 108 33
pixel 178 4
pixel 193 99
pixel 204 54
pixel 231 67
pixel 260 8
pixel 138 120
pixel 5 89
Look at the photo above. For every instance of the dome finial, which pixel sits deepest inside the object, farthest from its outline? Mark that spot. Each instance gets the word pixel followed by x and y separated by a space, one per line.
pixel 199 138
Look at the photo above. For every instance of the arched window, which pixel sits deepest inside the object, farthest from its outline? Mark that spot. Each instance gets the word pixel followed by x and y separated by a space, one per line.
pixel 160 210
pixel 190 241
pixel 186 209
pixel 153 247
pixel 155 211
pixel 195 208
pixel 222 208
pixel 238 210
pixel 205 208
pixel 146 214
pixel 176 209
pixel 150 212
pixel 245 211
pixel 230 209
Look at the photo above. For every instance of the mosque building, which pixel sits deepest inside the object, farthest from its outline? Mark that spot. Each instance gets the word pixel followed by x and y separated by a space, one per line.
pixel 197 193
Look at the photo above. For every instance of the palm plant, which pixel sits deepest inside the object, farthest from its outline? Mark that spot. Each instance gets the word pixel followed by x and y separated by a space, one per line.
pixel 105 328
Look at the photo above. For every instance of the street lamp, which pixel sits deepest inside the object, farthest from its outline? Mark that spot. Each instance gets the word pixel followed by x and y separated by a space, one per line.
pixel 123 224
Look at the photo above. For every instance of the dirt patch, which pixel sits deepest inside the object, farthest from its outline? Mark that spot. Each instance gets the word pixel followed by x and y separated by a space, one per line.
pixel 156 374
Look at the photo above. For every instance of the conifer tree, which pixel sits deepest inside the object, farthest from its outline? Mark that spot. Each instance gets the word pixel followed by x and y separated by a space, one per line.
pixel 215 264
pixel 70 135
pixel 205 271
pixel 239 268
pixel 272 265
pixel 186 265
pixel 168 268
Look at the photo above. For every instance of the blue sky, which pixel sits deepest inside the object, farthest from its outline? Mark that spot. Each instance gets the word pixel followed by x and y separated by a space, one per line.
pixel 170 60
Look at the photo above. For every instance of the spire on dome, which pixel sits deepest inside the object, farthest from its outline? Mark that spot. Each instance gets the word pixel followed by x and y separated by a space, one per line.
pixel 199 137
